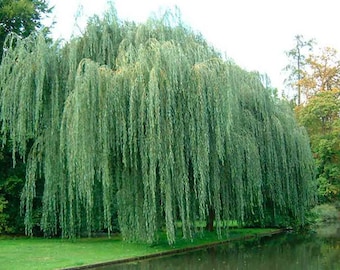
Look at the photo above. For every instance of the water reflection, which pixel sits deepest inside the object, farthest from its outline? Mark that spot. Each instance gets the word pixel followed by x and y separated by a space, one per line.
pixel 315 250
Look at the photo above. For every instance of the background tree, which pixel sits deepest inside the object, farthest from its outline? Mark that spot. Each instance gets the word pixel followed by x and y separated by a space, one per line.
pixel 21 17
pixel 320 84
pixel 321 117
pixel 297 63
pixel 322 73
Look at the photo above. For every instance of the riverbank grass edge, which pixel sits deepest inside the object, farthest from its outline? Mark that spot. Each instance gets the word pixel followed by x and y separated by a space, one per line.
pixel 43 253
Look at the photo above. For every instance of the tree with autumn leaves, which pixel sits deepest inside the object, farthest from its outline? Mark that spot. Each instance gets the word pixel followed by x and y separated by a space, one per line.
pixel 318 109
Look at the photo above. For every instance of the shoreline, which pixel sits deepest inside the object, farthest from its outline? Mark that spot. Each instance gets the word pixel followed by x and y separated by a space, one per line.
pixel 175 251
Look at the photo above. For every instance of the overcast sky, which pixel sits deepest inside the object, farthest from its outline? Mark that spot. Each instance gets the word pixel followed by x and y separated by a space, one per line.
pixel 255 33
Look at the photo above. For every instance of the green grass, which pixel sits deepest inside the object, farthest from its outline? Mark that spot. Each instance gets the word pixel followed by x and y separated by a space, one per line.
pixel 41 253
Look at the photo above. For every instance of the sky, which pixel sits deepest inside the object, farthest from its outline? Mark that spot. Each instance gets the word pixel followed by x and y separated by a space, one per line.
pixel 254 33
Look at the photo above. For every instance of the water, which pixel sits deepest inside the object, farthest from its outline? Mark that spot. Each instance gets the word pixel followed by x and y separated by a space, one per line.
pixel 314 250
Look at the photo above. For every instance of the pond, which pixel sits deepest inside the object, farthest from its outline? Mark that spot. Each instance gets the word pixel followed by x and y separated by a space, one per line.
pixel 319 249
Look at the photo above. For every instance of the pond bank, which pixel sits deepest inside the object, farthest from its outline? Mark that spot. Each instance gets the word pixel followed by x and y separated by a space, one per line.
pixel 268 233
pixel 291 250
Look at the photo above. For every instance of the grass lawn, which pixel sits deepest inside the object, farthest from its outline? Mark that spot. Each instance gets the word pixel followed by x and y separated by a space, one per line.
pixel 40 253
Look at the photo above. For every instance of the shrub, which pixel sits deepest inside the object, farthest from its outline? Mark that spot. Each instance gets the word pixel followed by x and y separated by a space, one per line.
pixel 325 213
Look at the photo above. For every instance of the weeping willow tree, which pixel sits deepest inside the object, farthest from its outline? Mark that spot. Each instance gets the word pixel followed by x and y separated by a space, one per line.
pixel 147 123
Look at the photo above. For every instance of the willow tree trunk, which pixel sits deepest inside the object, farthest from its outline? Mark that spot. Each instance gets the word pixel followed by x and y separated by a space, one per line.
pixel 210 219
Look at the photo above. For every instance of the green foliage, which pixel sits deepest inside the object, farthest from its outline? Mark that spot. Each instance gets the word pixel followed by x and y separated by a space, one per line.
pixel 147 123
pixel 318 80
pixel 21 17
pixel 325 213
pixel 3 216
pixel 10 189
pixel 11 183
pixel 321 118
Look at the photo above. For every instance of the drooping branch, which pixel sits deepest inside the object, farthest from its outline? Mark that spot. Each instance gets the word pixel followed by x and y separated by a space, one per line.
pixel 148 123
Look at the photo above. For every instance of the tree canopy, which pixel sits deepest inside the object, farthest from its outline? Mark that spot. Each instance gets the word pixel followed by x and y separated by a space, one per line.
pixel 322 72
pixel 319 112
pixel 298 60
pixel 21 17
pixel 147 123
pixel 321 117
